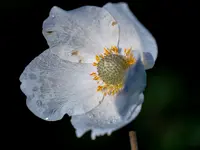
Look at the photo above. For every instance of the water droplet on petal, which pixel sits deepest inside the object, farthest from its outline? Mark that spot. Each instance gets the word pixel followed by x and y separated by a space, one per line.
pixel 32 76
pixel 113 120
pixel 39 103
pixel 110 121
pixel 35 88
pixel 69 112
pixel 91 116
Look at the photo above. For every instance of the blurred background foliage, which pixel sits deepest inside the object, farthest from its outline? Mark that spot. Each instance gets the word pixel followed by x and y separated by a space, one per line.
pixel 166 122
pixel 169 119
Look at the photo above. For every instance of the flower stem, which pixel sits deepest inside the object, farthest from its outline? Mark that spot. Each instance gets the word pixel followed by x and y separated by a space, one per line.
pixel 133 140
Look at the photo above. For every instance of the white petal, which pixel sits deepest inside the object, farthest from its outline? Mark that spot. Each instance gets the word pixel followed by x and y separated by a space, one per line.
pixel 115 111
pixel 106 119
pixel 55 87
pixel 133 33
pixel 87 29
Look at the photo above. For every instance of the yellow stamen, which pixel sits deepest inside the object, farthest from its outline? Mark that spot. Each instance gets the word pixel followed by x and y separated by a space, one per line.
pixel 127 51
pixel 97 58
pixel 93 74
pixel 101 56
pixel 96 78
pixel 131 61
pixel 105 86
pixel 114 49
pixel 99 88
pixel 106 51
pixel 94 64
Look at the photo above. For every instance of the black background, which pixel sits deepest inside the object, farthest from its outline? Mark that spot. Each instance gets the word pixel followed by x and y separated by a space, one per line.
pixel 174 26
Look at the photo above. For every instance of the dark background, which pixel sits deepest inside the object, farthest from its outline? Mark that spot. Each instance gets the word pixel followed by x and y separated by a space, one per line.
pixel 169 119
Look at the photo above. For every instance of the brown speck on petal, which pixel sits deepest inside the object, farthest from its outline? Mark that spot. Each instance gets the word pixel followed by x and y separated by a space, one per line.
pixel 114 23
pixel 81 59
pixel 75 52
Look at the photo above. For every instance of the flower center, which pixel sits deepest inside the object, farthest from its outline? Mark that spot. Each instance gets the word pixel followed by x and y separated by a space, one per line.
pixel 111 69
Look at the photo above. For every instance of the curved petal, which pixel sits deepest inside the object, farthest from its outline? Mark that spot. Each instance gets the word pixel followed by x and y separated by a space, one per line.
pixel 133 33
pixel 87 29
pixel 115 111
pixel 55 87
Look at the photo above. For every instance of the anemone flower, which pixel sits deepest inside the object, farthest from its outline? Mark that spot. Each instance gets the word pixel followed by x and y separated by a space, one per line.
pixel 93 70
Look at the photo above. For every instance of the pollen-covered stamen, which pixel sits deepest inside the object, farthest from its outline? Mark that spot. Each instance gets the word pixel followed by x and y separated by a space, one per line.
pixel 114 49
pixel 97 58
pixel 94 64
pixel 111 68
pixel 99 88
pixel 106 51
pixel 101 56
pixel 93 74
pixel 127 51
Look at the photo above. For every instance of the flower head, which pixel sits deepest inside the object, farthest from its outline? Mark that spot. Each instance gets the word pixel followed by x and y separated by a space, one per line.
pixel 94 69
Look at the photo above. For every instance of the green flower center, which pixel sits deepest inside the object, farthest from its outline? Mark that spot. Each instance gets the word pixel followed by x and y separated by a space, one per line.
pixel 111 69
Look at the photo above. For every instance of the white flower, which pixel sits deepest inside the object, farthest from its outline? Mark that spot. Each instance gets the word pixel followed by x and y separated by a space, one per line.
pixel 94 69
